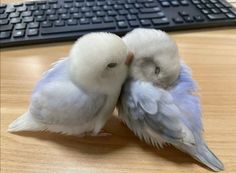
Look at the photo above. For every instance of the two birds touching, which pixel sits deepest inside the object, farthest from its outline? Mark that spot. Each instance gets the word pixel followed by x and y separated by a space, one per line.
pixel 152 88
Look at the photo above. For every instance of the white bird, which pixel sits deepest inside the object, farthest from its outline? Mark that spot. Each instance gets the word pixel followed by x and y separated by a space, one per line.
pixel 79 93
pixel 158 101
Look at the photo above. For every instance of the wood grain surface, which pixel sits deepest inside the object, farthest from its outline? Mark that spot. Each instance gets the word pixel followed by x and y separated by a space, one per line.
pixel 211 53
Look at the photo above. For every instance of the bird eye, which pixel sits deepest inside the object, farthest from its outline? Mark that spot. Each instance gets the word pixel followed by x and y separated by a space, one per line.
pixel 157 70
pixel 112 65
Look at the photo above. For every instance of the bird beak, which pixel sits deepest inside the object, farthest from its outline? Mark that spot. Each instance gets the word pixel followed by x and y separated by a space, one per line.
pixel 129 58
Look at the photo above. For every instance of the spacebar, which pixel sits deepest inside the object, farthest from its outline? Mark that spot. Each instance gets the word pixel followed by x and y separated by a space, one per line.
pixel 77 28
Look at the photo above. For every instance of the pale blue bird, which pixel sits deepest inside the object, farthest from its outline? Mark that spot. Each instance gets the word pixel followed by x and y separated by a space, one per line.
pixel 158 101
pixel 77 96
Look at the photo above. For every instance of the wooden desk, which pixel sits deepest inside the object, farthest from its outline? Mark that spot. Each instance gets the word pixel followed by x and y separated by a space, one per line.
pixel 210 53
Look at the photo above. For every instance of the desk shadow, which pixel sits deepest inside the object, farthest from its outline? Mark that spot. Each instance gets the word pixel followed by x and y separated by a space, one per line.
pixel 121 137
pixel 172 154
pixel 93 145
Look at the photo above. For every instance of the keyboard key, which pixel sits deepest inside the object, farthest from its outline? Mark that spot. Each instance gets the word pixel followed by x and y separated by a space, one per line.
pixel 216 16
pixel 28 19
pixel 52 17
pixel 224 10
pixel 183 13
pixel 84 27
pixel 219 5
pixel 6 27
pixel 85 9
pixel 178 20
pixel 215 10
pixel 32 32
pixel 96 8
pixel 15 20
pixel 26 13
pixel 62 11
pixel 131 17
pixel 38 13
pixel 145 22
pixel 13 15
pixel 21 9
pixel 18 33
pixel 123 12
pixel 149 10
pixel 149 5
pixel 165 4
pixel 32 8
pixel 174 3
pixel 3 6
pixel 20 26
pixel 89 14
pixel 161 21
pixel 2 11
pixel 65 16
pixel 33 25
pixel 72 22
pixel 50 11
pixel 56 6
pixel 3 16
pixel 18 5
pixel 118 18
pixel 5 35
pixel 188 19
pixel 77 15
pixel 46 24
pixel 184 2
pixel 206 11
pixel 40 18
pixel 84 21
pixel 225 3
pixel 112 13
pixel 10 10
pixel 108 19
pixel 100 13
pixel 198 18
pixel 233 10
pixel 122 24
pixel 133 11
pixel 230 15
pixel 44 7
pixel 151 15
pixel 73 10
pixel 4 22
pixel 59 23
pixel 134 23
pixel 52 1
pixel 96 20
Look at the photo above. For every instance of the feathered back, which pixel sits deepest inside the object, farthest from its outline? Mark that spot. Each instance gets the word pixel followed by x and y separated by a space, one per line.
pixel 185 96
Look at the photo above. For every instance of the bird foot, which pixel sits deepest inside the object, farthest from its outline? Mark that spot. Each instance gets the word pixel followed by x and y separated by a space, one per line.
pixel 102 133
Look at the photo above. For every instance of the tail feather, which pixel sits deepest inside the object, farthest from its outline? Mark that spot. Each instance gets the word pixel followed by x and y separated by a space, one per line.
pixel 25 123
pixel 207 157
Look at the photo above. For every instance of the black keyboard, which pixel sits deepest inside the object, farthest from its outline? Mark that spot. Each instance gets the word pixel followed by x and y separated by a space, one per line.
pixel 61 20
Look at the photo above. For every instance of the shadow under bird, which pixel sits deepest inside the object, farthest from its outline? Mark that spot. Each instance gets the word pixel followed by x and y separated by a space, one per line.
pixel 77 96
pixel 158 101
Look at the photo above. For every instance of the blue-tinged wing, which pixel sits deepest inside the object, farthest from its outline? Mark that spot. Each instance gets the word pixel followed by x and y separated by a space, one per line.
pixel 57 100
pixel 153 110
pixel 184 95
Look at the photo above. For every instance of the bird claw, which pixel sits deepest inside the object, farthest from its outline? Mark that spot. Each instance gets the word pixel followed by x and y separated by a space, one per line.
pixel 102 133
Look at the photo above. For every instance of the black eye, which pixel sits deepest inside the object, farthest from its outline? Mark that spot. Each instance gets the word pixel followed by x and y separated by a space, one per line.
pixel 157 70
pixel 112 65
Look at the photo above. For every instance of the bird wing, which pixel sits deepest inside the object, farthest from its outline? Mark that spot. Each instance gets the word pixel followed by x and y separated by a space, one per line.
pixel 57 100
pixel 157 111
pixel 185 96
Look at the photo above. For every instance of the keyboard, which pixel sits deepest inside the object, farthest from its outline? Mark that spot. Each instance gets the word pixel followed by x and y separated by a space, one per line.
pixel 62 20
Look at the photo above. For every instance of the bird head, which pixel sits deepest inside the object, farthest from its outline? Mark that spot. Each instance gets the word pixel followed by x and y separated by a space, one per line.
pixel 98 62
pixel 156 57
